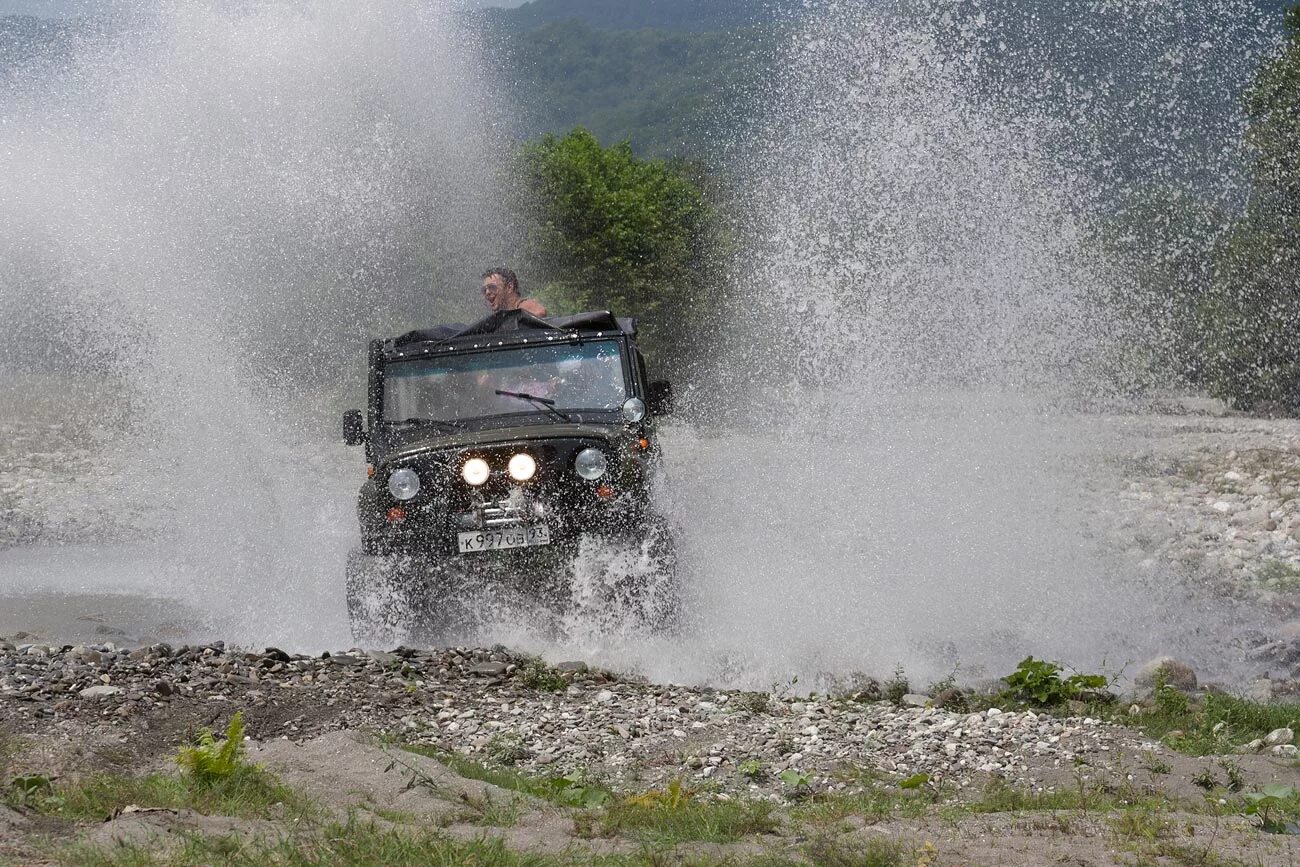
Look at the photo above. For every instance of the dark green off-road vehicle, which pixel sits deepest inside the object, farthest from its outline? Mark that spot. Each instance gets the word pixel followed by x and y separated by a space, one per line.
pixel 494 451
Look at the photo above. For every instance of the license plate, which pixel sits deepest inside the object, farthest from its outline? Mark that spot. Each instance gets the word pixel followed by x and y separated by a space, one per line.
pixel 498 540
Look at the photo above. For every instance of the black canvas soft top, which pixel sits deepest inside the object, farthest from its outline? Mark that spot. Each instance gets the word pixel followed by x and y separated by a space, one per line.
pixel 453 336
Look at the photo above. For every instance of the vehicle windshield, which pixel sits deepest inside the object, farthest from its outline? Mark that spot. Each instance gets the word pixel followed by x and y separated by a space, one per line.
pixel 576 377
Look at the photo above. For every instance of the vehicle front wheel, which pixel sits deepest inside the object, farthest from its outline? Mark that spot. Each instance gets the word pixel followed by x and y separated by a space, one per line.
pixel 398 598
pixel 629 580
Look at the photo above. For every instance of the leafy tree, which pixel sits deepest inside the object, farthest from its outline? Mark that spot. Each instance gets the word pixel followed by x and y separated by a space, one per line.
pixel 1251 315
pixel 611 231
pixel 1273 111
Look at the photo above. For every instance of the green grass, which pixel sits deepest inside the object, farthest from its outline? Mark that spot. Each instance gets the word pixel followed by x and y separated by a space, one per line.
pixel 365 843
pixel 569 790
pixel 1001 797
pixel 356 843
pixel 873 798
pixel 1190 729
pixel 872 805
pixel 667 823
pixel 489 811
pixel 875 852
pixel 248 793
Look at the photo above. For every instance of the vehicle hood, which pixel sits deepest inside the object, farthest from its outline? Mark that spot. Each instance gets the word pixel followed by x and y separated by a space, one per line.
pixel 424 441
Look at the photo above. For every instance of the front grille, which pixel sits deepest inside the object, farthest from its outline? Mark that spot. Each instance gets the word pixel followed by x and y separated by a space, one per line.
pixel 501 513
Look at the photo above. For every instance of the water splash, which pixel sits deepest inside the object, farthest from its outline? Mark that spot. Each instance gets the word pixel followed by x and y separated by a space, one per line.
pixel 929 310
pixel 908 475
pixel 218 204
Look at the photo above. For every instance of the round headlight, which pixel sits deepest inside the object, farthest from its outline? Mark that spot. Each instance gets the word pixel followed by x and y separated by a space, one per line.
pixel 634 409
pixel 404 484
pixel 475 471
pixel 591 464
pixel 522 467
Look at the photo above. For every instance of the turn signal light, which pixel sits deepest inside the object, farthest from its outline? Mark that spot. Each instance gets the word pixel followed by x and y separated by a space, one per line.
pixel 396 515
pixel 604 492
pixel 370 471
pixel 641 445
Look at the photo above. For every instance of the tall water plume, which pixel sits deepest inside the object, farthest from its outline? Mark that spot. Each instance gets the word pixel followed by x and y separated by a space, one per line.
pixel 217 203
pixel 924 308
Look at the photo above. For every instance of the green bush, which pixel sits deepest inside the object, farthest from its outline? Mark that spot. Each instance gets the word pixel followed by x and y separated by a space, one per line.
pixel 1041 683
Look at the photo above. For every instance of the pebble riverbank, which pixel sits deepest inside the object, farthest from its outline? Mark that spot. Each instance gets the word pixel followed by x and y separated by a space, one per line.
pixel 481 704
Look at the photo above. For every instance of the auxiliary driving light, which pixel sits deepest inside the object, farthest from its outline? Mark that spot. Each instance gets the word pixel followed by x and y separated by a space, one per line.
pixel 591 464
pixel 475 472
pixel 403 484
pixel 522 467
pixel 634 409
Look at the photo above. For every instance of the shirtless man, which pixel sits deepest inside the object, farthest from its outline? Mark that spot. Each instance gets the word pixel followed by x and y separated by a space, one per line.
pixel 501 292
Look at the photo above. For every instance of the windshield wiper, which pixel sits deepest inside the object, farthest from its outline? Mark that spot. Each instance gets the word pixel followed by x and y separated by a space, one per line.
pixel 449 425
pixel 544 402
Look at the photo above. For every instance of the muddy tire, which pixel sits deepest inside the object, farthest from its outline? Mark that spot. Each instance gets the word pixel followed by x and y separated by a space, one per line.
pixel 660 607
pixel 635 583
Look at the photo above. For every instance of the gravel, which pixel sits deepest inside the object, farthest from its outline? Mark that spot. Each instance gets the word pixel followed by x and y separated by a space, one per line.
pixel 630 734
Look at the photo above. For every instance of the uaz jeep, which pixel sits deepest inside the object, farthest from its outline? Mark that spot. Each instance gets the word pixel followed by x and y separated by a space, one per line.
pixel 493 451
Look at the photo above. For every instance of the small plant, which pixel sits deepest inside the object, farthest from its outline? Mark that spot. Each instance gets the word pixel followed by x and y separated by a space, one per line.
pixel 506 748
pixel 1170 700
pixel 211 760
pixel 1156 765
pixel 946 683
pixel 24 791
pixel 752 769
pixel 675 814
pixel 1236 777
pixel 576 789
pixel 536 674
pixel 781 689
pixel 1040 682
pixel 1267 804
pixel 897 686
pixel 673 797
pixel 796 779
pixel 753 702
pixel 916 781
pixel 1206 780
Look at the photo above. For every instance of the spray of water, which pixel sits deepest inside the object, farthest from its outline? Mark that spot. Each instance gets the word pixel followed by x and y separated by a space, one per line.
pixel 222 202
pixel 907 477
pixel 217 204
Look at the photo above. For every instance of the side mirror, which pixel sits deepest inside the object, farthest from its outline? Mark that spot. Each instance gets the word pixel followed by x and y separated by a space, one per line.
pixel 354 428
pixel 659 400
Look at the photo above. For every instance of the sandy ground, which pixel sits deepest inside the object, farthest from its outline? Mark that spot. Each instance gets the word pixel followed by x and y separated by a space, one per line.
pixel 351 774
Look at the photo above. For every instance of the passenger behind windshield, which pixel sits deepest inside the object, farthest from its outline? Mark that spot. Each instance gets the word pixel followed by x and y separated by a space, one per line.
pixel 589 377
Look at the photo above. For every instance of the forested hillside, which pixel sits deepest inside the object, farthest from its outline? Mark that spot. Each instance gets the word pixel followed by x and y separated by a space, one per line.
pixel 669 93
pixel 670 76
